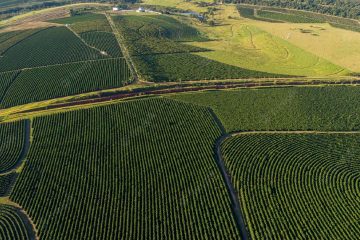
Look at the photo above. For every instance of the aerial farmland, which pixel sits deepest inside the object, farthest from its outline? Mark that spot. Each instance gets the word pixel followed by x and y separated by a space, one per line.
pixel 172 119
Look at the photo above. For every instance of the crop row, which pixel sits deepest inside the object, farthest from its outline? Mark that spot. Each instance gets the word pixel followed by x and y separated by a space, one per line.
pixel 11 224
pixel 137 170
pixel 104 41
pixel 58 45
pixel 68 79
pixel 159 56
pixel 9 39
pixel 329 108
pixel 12 137
pixel 6 183
pixel 295 186
pixel 86 23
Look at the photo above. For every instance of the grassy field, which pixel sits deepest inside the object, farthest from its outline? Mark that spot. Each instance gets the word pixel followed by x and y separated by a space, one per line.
pixel 297 186
pixel 297 108
pixel 107 171
pixel 336 45
pixel 156 44
pixel 240 42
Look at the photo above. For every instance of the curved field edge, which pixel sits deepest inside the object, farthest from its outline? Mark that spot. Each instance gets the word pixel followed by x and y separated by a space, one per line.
pixel 297 184
pixel 15 223
pixel 114 153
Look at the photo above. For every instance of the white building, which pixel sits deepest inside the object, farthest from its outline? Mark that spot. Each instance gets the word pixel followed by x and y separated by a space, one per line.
pixel 115 9
pixel 140 9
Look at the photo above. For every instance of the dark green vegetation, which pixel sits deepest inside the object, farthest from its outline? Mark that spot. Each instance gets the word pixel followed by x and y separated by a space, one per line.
pixel 297 108
pixel 137 170
pixel 58 45
pixel 39 84
pixel 6 183
pixel 160 68
pixel 349 9
pixel 156 44
pixel 297 186
pixel 5 81
pixel 272 14
pixel 11 224
pixel 104 41
pixel 12 137
pixel 8 39
pixel 86 23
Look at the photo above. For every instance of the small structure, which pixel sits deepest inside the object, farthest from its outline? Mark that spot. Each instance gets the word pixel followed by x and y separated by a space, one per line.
pixel 115 9
pixel 140 9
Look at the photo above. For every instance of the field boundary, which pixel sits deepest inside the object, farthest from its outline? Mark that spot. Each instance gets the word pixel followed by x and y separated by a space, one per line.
pixel 125 52
pixel 244 228
pixel 24 151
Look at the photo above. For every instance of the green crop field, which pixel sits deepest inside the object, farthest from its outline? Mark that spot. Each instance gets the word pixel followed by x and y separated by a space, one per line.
pixel 177 119
pixel 103 41
pixel 146 165
pixel 6 183
pixel 157 42
pixel 58 45
pixel 9 39
pixel 39 84
pixel 11 224
pixel 298 108
pixel 12 137
pixel 295 186
pixel 86 23
pixel 5 81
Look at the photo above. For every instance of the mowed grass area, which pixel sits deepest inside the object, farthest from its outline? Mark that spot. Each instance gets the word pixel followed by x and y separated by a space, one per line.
pixel 239 42
pixel 294 108
pixel 339 46
pixel 297 186
pixel 137 170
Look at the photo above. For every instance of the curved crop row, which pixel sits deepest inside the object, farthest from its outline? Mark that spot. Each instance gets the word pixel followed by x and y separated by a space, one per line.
pixel 39 84
pixel 295 186
pixel 11 224
pixel 12 137
pixel 136 170
pixel 6 183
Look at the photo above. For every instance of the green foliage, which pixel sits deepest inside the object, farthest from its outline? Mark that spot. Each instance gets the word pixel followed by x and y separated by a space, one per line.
pixel 283 17
pixel 68 79
pixel 103 41
pixel 6 183
pixel 185 67
pixel 146 165
pixel 86 23
pixel 12 137
pixel 9 39
pixel 297 186
pixel 298 108
pixel 47 47
pixel 12 226
pixel 153 42
pixel 5 81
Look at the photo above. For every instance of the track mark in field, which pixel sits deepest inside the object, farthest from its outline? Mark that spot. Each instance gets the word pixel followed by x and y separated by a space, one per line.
pixel 83 41
pixel 235 203
pixel 251 40
pixel 25 149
